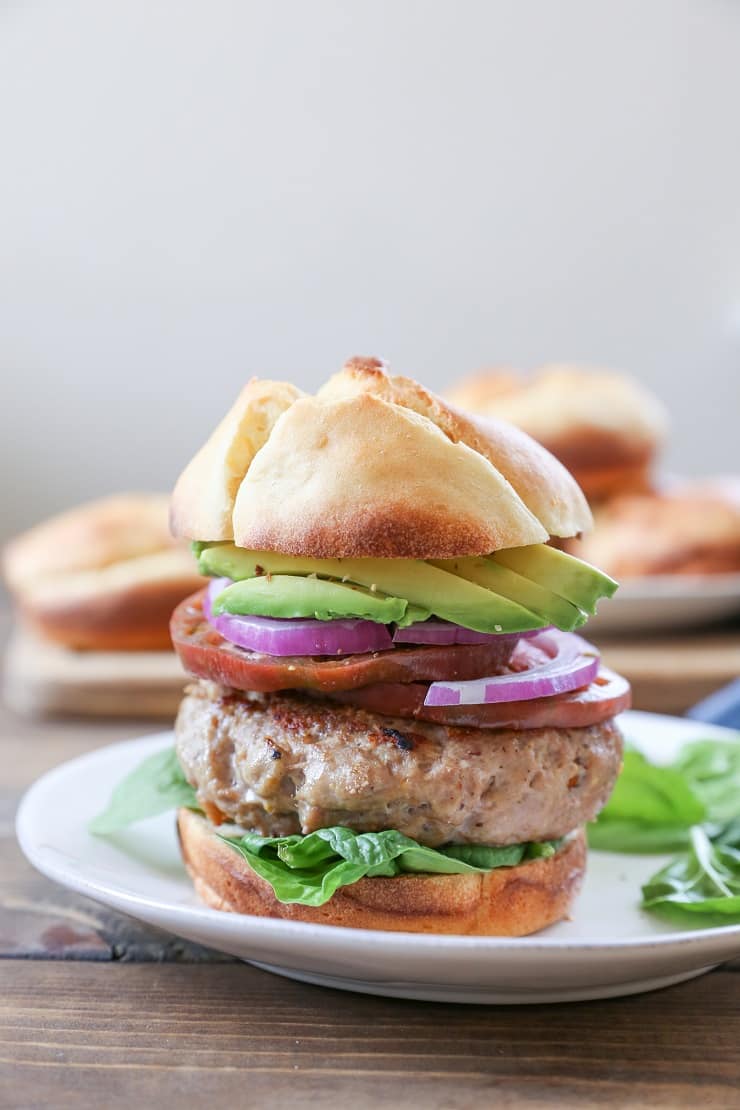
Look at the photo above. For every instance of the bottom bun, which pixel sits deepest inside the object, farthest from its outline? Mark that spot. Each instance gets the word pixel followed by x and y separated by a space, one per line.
pixel 506 902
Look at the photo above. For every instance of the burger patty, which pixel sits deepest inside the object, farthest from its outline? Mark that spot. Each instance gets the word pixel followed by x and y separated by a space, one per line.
pixel 287 763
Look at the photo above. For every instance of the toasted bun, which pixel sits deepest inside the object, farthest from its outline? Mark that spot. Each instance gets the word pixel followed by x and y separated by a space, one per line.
pixel 693 529
pixel 203 500
pixel 510 901
pixel 377 466
pixel 362 477
pixel 103 576
pixel 603 426
pixel 543 484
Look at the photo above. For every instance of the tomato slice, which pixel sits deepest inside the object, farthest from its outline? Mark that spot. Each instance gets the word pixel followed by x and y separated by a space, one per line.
pixel 607 695
pixel 205 654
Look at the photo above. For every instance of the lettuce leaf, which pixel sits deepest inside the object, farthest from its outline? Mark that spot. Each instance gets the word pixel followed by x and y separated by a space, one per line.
pixel 705 881
pixel 691 806
pixel 651 809
pixel 712 769
pixel 654 809
pixel 155 786
pixel 310 869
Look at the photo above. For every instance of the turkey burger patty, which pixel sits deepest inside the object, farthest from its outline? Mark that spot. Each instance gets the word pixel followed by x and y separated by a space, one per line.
pixel 287 763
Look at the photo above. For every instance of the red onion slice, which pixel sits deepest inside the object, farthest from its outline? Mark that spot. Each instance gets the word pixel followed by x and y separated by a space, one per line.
pixel 295 635
pixel 444 632
pixel 551 662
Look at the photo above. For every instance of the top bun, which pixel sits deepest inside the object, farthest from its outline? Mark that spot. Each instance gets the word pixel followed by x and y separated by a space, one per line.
pixel 604 427
pixel 374 466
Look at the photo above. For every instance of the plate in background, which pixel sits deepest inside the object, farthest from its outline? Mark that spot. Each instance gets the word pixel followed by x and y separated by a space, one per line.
pixel 668 601
pixel 609 948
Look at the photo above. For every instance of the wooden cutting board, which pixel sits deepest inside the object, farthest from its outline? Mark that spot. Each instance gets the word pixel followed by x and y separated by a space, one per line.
pixel 671 673
pixel 44 679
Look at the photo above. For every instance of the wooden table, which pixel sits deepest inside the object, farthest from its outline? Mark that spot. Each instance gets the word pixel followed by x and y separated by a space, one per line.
pixel 97 1011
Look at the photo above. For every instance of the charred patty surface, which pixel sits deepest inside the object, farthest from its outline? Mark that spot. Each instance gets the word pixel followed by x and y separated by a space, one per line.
pixel 285 763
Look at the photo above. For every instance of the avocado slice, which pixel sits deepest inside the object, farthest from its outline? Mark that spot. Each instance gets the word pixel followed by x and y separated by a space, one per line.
pixel 285 595
pixel 571 578
pixel 552 608
pixel 437 591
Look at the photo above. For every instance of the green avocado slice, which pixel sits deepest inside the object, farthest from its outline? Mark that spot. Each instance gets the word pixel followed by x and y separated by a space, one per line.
pixel 285 595
pixel 571 578
pixel 434 590
pixel 548 605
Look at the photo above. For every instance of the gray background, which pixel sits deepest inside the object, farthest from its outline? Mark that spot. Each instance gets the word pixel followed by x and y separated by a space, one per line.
pixel 191 193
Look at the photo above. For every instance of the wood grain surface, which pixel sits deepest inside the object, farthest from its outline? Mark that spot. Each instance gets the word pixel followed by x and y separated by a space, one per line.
pixel 44 679
pixel 98 1011
pixel 672 672
pixel 190 1036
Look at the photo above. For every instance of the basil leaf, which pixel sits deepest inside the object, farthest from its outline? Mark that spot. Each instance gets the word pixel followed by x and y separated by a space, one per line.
pixel 487 857
pixel 651 809
pixel 636 837
pixel 653 795
pixel 155 786
pixel 705 881
pixel 712 769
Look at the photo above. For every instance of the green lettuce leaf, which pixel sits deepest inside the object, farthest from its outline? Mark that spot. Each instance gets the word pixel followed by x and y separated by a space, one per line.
pixel 310 869
pixel 691 806
pixel 705 881
pixel 635 837
pixel 651 809
pixel 712 769
pixel 155 786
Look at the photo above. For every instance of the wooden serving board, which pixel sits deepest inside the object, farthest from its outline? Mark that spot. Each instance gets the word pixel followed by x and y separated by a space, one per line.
pixel 43 679
pixel 671 673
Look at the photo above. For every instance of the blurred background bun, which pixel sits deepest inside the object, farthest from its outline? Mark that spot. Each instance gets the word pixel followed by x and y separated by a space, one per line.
pixel 603 426
pixel 103 576
pixel 691 529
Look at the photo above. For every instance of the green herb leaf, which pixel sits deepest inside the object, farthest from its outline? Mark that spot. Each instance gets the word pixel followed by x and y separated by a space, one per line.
pixel 651 809
pixel 712 769
pixel 636 837
pixel 310 869
pixel 155 786
pixel 705 881
pixel 653 795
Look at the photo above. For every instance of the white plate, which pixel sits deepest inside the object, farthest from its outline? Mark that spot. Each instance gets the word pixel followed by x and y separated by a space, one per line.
pixel 609 948
pixel 668 601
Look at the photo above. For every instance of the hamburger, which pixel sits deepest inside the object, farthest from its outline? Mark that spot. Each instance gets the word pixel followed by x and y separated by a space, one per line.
pixel 603 426
pixel 392 722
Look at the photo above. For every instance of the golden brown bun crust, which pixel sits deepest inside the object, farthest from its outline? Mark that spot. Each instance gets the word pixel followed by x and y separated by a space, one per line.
pixel 693 529
pixel 513 901
pixel 374 466
pixel 104 576
pixel 543 484
pixel 362 477
pixel 604 427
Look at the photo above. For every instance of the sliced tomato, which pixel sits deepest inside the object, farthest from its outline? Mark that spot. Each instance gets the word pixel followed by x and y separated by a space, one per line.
pixel 204 653
pixel 607 695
